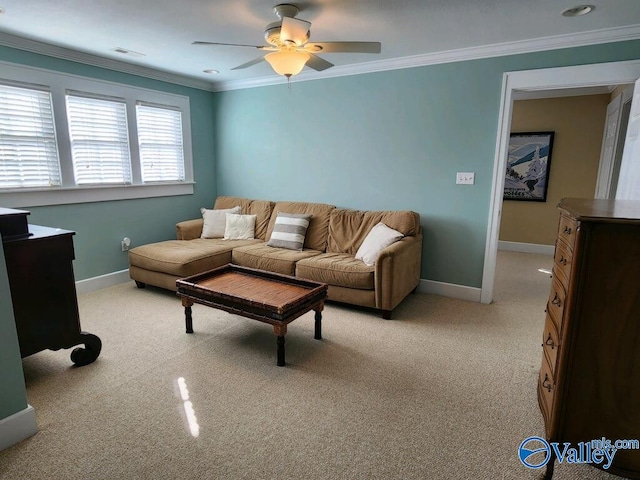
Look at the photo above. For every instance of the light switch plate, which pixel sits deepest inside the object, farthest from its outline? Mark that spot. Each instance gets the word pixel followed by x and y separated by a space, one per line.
pixel 465 178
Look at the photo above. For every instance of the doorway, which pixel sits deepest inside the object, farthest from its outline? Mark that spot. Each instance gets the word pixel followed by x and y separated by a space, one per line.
pixel 534 80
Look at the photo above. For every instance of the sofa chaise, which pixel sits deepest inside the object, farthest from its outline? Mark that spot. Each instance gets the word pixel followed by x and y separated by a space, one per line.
pixel 328 255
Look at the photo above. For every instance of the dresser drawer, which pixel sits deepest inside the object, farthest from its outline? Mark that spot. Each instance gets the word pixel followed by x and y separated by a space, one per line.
pixel 546 392
pixel 562 263
pixel 567 230
pixel 550 344
pixel 555 305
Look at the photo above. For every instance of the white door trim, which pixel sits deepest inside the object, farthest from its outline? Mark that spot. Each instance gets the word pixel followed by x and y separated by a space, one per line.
pixel 614 73
pixel 608 151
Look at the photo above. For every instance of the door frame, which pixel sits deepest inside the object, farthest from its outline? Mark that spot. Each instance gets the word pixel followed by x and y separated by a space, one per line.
pixel 613 73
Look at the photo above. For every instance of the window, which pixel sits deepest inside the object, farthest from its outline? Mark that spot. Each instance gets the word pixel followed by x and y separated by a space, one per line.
pixel 28 148
pixel 70 139
pixel 99 140
pixel 160 143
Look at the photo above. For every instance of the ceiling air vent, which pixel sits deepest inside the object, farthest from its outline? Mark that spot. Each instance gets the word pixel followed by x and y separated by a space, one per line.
pixel 124 51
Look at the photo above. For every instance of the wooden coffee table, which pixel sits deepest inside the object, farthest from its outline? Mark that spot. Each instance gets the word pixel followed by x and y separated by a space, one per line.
pixel 264 296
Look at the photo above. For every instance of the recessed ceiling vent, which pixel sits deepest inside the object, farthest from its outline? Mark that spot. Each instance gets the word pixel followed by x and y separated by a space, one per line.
pixel 578 11
pixel 124 51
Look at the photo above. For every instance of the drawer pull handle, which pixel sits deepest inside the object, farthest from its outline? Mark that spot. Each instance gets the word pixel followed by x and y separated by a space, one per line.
pixel 567 230
pixel 546 383
pixel 549 342
pixel 562 260
pixel 556 300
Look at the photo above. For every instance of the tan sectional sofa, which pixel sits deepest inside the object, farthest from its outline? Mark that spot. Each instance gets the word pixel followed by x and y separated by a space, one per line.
pixel 332 240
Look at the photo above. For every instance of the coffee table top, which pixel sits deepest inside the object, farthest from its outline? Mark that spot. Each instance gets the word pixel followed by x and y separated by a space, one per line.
pixel 255 293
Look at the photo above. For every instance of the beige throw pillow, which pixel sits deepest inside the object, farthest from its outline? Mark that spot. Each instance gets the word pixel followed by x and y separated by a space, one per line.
pixel 240 227
pixel 215 221
pixel 379 238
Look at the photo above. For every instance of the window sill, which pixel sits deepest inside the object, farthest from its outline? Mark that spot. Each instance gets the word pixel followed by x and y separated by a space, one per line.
pixel 64 196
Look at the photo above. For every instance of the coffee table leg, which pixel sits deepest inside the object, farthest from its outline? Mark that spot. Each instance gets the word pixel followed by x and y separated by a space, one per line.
pixel 188 320
pixel 318 332
pixel 280 331
pixel 280 343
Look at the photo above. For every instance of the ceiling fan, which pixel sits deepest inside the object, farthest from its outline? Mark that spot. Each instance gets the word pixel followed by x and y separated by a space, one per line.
pixel 289 46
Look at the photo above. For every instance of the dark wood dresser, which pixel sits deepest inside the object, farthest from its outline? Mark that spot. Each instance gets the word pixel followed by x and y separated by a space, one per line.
pixel 589 383
pixel 43 292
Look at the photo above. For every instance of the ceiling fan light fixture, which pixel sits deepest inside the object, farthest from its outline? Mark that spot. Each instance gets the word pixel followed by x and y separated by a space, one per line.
pixel 287 62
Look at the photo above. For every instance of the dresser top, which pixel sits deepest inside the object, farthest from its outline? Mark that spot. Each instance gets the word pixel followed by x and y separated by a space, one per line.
pixel 601 210
pixel 12 211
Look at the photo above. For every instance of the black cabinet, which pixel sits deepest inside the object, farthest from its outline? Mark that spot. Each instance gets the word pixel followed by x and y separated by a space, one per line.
pixel 43 293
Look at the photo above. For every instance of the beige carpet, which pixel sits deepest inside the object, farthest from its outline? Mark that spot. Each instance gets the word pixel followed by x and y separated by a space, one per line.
pixel 445 390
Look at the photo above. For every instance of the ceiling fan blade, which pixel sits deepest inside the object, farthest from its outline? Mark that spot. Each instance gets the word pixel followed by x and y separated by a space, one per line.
pixel 253 62
pixel 294 31
pixel 345 47
pixel 318 63
pixel 260 47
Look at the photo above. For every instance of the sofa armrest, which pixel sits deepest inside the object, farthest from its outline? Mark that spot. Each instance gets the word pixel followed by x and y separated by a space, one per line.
pixel 397 272
pixel 189 229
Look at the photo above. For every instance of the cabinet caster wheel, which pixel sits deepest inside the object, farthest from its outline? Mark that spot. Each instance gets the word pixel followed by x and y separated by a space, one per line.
pixel 84 356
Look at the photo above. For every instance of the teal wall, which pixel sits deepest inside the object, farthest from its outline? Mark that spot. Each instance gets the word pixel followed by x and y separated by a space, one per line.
pixel 388 140
pixel 13 397
pixel 100 226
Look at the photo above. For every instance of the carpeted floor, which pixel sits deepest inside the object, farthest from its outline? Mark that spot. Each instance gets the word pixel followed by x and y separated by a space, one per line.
pixel 447 389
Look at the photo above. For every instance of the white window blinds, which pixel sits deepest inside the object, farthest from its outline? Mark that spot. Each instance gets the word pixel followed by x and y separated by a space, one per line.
pixel 99 140
pixel 28 148
pixel 160 142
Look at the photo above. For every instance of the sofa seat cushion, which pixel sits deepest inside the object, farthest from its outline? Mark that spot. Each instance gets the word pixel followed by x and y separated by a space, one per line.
pixel 272 259
pixel 185 257
pixel 340 269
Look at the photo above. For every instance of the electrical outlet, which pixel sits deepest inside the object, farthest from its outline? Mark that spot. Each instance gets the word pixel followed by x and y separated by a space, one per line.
pixel 125 243
pixel 465 178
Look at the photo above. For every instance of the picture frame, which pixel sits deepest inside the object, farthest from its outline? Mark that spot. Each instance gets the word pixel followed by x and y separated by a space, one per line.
pixel 528 166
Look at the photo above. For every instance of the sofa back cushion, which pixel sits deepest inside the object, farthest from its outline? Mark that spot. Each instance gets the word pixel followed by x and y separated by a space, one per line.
pixel 230 202
pixel 260 208
pixel 316 238
pixel 348 228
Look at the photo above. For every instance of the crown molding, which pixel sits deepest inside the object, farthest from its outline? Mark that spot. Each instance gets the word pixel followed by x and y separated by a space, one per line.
pixel 63 53
pixel 608 35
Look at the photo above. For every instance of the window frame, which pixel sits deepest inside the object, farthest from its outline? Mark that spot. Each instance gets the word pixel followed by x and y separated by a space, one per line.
pixel 38 129
pixel 68 193
pixel 141 144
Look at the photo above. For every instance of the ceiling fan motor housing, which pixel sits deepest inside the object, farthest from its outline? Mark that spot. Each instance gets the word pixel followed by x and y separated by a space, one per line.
pixel 286 10
pixel 272 34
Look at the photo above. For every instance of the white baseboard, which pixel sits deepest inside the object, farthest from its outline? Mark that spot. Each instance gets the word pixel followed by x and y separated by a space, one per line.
pixel 426 286
pixel 526 247
pixel 452 290
pixel 17 427
pixel 96 283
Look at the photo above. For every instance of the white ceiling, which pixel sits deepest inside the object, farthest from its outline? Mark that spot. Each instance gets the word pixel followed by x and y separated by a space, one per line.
pixel 411 31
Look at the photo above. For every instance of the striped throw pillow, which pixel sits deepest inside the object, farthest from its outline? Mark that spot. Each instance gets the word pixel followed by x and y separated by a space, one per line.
pixel 289 230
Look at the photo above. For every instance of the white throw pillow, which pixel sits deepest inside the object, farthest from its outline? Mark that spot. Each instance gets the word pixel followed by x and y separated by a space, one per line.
pixel 240 227
pixel 215 221
pixel 379 238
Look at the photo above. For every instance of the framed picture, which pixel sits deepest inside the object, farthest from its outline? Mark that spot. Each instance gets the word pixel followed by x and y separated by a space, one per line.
pixel 528 166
